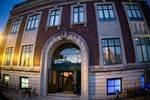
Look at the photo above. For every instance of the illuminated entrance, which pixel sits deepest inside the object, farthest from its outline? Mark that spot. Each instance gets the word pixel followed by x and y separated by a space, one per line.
pixel 66 70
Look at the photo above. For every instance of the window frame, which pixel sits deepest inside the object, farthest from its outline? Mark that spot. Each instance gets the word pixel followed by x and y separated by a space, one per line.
pixel 21 54
pixel 33 22
pixel 16 22
pixel 114 47
pixel 4 81
pixel 20 82
pixel 49 17
pixel 137 18
pixel 6 56
pixel 109 19
pixel 113 79
pixel 140 44
pixel 84 15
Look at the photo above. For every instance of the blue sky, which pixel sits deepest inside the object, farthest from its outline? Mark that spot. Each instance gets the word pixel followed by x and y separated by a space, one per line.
pixel 5 8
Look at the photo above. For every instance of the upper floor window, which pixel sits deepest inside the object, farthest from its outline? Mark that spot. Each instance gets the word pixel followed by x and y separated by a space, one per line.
pixel 143 49
pixel 15 26
pixel 33 22
pixel 114 86
pixel 54 18
pixel 142 81
pixel 8 55
pixel 134 12
pixel 111 51
pixel 105 12
pixel 78 14
pixel 26 55
pixel 6 79
pixel 24 82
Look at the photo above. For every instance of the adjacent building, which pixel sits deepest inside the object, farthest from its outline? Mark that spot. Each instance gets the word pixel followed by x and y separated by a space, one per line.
pixel 94 48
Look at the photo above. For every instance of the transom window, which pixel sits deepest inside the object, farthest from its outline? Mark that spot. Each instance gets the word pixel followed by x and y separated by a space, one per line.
pixel 111 51
pixel 33 22
pixel 54 17
pixel 15 26
pixel 78 14
pixel 114 86
pixel 26 55
pixel 8 55
pixel 105 12
pixel 143 49
pixel 68 56
pixel 24 82
pixel 134 12
pixel 6 79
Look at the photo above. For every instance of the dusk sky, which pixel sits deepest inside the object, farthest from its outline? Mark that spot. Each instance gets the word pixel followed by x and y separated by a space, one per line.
pixel 5 8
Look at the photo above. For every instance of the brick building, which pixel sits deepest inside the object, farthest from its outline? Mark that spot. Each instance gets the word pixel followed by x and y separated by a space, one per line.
pixel 88 47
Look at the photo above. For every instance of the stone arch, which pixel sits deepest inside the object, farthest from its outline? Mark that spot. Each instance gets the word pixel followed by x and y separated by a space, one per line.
pixel 52 43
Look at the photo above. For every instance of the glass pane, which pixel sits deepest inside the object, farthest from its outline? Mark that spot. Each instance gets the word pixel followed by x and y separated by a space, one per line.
pixel 117 88
pixel 111 42
pixel 118 55
pixel 57 20
pixel 81 17
pixel 36 23
pixel 111 90
pixel 75 9
pixel 81 9
pixel 51 20
pixel 32 24
pixel 75 18
pixel 106 13
pixel 57 12
pixel 139 52
pixel 134 13
pixel 112 55
pixel 104 6
pixel 101 14
pixel 118 82
pixel 110 7
pixel 138 13
pixel 144 53
pixel 111 14
pixel 111 83
pixel 53 13
pixel 129 13
pixel 99 7
pixel 105 55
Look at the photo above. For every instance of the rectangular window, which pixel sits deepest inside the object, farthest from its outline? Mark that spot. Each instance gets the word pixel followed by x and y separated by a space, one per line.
pixel 15 26
pixel 54 19
pixel 78 14
pixel 33 22
pixel 134 12
pixel 143 49
pixel 105 12
pixel 8 56
pixel 26 55
pixel 114 86
pixel 24 82
pixel 111 51
pixel 6 79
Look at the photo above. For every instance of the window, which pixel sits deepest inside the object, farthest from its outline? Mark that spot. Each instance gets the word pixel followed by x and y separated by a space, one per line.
pixel 24 82
pixel 26 55
pixel 6 79
pixel 33 22
pixel 134 12
pixel 111 51
pixel 78 14
pixel 15 26
pixel 143 49
pixel 54 17
pixel 114 86
pixel 105 12
pixel 8 56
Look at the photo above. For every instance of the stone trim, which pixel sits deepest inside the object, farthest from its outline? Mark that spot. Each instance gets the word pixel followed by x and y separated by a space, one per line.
pixel 52 43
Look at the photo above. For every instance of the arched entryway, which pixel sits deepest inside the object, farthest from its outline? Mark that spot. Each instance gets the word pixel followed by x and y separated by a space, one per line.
pixel 66 70
pixel 54 42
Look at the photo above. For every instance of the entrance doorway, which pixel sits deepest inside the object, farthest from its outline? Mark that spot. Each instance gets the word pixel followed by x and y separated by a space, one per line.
pixel 66 70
